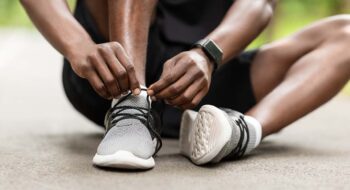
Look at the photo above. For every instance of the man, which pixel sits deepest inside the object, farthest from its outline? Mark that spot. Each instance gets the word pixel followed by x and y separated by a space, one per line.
pixel 123 55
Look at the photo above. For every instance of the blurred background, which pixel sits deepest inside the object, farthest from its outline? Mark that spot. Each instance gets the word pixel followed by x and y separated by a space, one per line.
pixel 291 15
pixel 46 144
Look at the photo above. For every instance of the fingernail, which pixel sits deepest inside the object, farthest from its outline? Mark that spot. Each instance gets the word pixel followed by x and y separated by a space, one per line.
pixel 166 102
pixel 150 92
pixel 136 91
pixel 154 98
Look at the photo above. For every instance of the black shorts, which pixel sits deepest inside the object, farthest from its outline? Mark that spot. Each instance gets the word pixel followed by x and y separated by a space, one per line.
pixel 231 85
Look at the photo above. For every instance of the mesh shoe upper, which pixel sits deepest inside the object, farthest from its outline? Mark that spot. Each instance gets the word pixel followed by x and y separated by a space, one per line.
pixel 131 126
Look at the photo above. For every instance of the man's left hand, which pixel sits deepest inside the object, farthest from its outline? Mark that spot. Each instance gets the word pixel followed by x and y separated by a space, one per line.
pixel 185 79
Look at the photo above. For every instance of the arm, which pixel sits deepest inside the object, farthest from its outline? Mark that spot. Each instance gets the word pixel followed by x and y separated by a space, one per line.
pixel 244 21
pixel 129 23
pixel 186 77
pixel 55 21
pixel 95 62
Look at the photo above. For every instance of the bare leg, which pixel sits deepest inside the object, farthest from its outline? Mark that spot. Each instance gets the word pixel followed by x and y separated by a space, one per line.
pixel 296 75
pixel 126 22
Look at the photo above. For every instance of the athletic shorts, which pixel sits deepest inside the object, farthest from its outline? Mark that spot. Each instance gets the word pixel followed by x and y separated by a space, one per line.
pixel 230 87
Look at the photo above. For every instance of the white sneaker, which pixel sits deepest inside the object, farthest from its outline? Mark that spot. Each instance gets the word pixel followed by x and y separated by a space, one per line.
pixel 212 134
pixel 132 135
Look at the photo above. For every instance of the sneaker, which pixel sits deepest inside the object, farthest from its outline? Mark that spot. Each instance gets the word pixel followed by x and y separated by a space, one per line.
pixel 132 134
pixel 213 134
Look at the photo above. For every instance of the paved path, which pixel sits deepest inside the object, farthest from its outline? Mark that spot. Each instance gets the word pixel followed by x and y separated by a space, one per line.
pixel 45 144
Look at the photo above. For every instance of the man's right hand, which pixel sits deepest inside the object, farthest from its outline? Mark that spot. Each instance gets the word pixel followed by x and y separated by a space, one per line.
pixel 107 67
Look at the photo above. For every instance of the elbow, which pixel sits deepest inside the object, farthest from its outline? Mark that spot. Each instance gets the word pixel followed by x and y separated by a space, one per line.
pixel 267 15
pixel 26 2
pixel 268 10
pixel 264 10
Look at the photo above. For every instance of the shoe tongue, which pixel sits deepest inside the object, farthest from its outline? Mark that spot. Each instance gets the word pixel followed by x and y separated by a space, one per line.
pixel 138 101
pixel 132 100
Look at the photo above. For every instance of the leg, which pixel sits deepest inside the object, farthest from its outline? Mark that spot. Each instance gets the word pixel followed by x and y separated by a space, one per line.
pixel 129 141
pixel 115 23
pixel 296 75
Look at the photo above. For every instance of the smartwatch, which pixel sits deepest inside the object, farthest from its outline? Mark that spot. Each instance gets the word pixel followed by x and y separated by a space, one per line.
pixel 212 50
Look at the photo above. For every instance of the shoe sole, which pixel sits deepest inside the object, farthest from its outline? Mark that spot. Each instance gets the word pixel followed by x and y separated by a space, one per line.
pixel 203 138
pixel 123 160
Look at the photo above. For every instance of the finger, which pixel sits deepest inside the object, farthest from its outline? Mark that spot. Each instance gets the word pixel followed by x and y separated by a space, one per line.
pixel 124 59
pixel 172 71
pixel 188 95
pixel 98 85
pixel 106 76
pixel 116 68
pixel 195 101
pixel 177 87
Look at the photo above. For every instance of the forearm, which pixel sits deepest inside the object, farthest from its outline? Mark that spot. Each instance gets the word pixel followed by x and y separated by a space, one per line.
pixel 55 21
pixel 244 21
pixel 129 25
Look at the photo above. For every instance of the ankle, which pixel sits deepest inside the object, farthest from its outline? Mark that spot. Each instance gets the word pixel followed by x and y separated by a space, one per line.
pixel 255 124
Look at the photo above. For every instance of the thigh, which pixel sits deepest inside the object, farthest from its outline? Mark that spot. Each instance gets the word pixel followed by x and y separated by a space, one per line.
pixel 273 60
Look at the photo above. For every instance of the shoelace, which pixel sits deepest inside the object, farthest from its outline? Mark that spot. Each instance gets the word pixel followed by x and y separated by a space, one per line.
pixel 241 147
pixel 144 116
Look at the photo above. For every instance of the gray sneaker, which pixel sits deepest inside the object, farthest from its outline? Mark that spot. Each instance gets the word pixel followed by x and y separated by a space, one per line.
pixel 132 134
pixel 213 134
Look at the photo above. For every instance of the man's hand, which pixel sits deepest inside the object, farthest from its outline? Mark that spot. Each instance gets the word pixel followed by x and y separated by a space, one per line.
pixel 107 67
pixel 185 79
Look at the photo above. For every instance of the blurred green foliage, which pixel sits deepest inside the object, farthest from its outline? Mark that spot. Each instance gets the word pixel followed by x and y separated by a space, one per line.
pixel 292 15
pixel 13 15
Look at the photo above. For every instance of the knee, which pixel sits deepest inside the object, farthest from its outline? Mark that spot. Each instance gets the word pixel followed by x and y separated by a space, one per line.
pixel 341 28
pixel 341 38
pixel 339 21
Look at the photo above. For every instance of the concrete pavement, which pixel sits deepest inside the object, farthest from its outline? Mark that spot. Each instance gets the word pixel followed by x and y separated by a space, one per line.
pixel 46 144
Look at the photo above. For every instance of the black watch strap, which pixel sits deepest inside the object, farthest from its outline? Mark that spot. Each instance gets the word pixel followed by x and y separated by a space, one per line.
pixel 212 50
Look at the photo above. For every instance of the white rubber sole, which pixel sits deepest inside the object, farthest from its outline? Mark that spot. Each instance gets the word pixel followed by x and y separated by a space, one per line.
pixel 123 160
pixel 204 134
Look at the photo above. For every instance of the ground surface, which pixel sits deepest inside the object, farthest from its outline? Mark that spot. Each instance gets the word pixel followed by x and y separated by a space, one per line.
pixel 45 144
